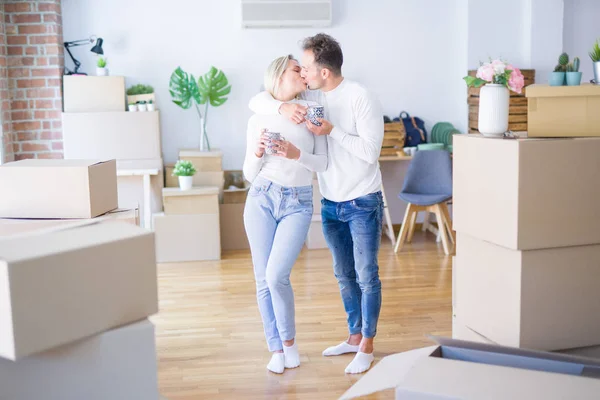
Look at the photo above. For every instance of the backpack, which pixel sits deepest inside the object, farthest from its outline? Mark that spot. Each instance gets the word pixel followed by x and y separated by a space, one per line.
pixel 415 130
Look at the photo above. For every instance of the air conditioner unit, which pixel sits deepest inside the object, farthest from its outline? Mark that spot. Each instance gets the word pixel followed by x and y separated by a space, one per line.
pixel 286 13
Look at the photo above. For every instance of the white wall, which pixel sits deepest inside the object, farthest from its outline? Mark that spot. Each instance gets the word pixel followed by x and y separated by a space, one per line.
pixel 581 29
pixel 410 53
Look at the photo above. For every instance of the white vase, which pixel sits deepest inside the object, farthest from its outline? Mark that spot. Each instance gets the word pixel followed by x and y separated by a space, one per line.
pixel 133 107
pixel 142 107
pixel 185 182
pixel 150 106
pixel 101 71
pixel 493 110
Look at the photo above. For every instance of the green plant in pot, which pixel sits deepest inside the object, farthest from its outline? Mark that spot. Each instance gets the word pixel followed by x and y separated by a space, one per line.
pixel 185 172
pixel 557 78
pixel 573 74
pixel 595 56
pixel 101 69
pixel 210 89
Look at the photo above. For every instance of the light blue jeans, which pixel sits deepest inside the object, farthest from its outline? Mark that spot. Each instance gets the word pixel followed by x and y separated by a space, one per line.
pixel 277 219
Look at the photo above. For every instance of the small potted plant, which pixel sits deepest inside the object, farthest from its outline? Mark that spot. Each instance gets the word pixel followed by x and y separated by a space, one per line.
pixel 185 171
pixel 142 105
pixel 150 105
pixel 101 69
pixel 573 74
pixel 133 107
pixel 595 56
pixel 557 78
pixel 140 92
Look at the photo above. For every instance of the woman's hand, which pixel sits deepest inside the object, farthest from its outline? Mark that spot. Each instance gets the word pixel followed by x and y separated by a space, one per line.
pixel 286 149
pixel 261 145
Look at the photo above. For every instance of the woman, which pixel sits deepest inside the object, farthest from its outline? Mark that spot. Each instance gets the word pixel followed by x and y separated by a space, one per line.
pixel 279 207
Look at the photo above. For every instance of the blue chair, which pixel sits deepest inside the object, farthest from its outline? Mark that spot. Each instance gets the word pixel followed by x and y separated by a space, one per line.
pixel 428 187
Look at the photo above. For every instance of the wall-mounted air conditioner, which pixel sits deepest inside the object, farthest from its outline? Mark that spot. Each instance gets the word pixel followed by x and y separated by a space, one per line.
pixel 286 13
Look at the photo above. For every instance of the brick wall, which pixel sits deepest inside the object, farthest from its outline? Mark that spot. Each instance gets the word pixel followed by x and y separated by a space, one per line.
pixel 6 139
pixel 35 63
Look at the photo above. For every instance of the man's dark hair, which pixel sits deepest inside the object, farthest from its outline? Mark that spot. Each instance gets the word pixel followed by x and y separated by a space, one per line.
pixel 327 52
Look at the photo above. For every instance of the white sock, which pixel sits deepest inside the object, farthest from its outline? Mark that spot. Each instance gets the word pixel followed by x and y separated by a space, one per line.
pixel 361 363
pixel 277 363
pixel 341 348
pixel 292 357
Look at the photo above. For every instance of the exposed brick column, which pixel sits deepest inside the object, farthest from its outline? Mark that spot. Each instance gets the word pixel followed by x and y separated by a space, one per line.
pixel 35 65
pixel 6 137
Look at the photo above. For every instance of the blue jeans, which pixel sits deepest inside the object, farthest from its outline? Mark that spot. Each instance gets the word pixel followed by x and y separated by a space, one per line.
pixel 277 219
pixel 352 230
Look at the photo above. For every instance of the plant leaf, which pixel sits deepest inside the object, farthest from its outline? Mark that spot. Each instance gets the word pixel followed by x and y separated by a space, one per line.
pixel 183 89
pixel 213 87
pixel 474 82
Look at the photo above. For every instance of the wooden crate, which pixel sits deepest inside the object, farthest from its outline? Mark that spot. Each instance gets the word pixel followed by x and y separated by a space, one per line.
pixel 517 110
pixel 393 138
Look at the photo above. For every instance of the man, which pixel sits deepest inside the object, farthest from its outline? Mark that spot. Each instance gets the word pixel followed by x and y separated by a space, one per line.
pixel 351 186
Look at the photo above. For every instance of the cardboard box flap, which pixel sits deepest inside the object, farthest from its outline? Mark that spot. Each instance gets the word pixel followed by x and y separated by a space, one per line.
pixel 195 191
pixel 55 163
pixel 198 153
pixel 66 238
pixel 585 89
pixel 387 373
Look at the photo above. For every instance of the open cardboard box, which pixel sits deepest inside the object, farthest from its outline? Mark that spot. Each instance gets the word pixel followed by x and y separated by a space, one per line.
pixel 456 369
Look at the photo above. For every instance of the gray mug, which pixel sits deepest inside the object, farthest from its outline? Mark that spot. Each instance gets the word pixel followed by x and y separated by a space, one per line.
pixel 314 112
pixel 270 146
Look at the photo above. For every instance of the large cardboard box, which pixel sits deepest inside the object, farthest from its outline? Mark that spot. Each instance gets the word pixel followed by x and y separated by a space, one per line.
pixel 315 238
pixel 181 238
pixel 119 364
pixel 233 231
pixel 560 111
pixel 66 285
pixel 204 161
pixel 462 332
pixel 19 226
pixel 58 188
pixel 93 93
pixel 589 352
pixel 538 299
pixel 197 200
pixel 455 369
pixel 210 179
pixel 120 135
pixel 528 193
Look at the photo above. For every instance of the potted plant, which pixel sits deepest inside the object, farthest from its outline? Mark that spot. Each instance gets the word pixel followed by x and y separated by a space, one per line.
pixel 497 78
pixel 185 171
pixel 142 105
pixel 150 105
pixel 573 74
pixel 140 92
pixel 133 107
pixel 557 77
pixel 212 88
pixel 595 56
pixel 101 69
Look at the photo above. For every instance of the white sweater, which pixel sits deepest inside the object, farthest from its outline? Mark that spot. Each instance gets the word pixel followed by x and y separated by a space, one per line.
pixel 282 171
pixel 354 144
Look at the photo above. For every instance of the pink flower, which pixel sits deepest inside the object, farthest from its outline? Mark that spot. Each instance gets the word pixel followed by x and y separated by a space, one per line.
pixel 499 67
pixel 486 72
pixel 516 82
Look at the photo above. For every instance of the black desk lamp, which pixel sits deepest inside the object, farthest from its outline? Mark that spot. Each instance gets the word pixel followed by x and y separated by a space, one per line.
pixel 96 49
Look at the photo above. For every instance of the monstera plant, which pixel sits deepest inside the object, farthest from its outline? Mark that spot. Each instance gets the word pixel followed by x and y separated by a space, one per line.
pixel 210 89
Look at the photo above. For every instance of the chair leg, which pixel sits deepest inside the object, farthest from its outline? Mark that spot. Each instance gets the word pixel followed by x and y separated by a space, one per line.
pixel 403 229
pixel 448 221
pixel 413 223
pixel 440 220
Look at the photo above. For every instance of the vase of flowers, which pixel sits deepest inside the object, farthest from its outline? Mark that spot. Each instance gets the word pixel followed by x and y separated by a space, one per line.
pixel 185 171
pixel 495 79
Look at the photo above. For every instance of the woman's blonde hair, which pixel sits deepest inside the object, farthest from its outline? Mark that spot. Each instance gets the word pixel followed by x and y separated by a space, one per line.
pixel 274 73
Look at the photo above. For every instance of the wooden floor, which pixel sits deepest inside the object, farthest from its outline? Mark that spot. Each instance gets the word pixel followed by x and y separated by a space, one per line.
pixel 210 340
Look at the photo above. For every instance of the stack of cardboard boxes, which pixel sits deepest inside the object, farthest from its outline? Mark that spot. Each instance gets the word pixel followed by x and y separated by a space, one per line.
pixel 75 291
pixel 233 231
pixel 96 125
pixel 527 263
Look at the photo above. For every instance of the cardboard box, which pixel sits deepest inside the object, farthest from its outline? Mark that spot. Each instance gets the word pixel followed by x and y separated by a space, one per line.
pixel 209 179
pixel 119 364
pixel 455 369
pixel 182 238
pixel 233 231
pixel 538 299
pixel 316 197
pixel 170 180
pixel 589 352
pixel 93 93
pixel 58 188
pixel 560 111
pixel 315 238
pixel 119 135
pixel 66 285
pixel 462 332
pixel 197 200
pixel 236 196
pixel 18 226
pixel 204 161
pixel 529 193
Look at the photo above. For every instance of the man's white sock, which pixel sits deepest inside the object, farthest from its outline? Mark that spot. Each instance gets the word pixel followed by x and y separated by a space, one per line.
pixel 277 363
pixel 341 348
pixel 361 363
pixel 292 357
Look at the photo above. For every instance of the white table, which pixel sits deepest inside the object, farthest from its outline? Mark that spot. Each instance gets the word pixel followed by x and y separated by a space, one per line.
pixel 145 169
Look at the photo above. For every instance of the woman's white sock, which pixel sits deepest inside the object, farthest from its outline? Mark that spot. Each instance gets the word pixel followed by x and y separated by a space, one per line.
pixel 277 363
